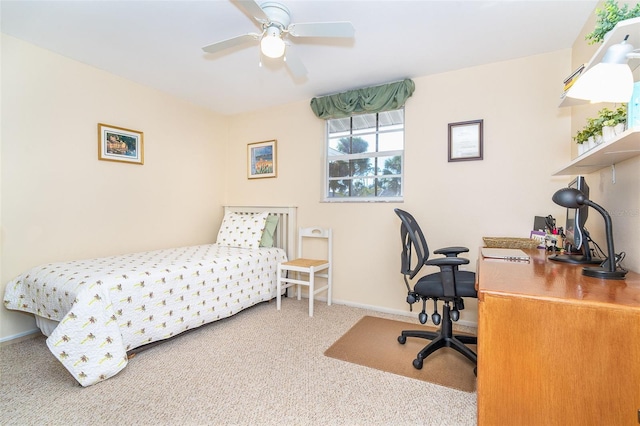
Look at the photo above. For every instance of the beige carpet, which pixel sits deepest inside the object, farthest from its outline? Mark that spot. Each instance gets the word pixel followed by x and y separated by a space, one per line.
pixel 373 342
pixel 261 367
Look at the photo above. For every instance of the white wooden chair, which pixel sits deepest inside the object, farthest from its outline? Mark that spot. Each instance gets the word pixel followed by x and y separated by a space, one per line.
pixel 302 267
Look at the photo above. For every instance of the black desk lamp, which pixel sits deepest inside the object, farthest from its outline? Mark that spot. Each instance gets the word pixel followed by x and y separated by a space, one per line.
pixel 571 198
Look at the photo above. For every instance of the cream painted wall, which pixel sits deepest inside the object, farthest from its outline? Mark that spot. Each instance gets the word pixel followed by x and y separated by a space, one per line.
pixel 59 202
pixel 525 139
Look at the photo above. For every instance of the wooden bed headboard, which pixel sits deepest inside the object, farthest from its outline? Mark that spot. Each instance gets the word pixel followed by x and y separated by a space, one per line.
pixel 285 237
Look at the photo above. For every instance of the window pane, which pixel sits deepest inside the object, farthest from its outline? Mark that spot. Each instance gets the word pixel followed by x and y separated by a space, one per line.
pixel 339 125
pixel 363 187
pixel 389 187
pixel 350 188
pixel 336 147
pixel 365 143
pixel 364 123
pixel 393 141
pixel 339 169
pixel 339 188
pixel 391 118
pixel 389 165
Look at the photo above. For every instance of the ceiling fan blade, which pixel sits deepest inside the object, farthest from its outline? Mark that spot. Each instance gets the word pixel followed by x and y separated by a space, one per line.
pixel 295 65
pixel 253 9
pixel 231 42
pixel 322 29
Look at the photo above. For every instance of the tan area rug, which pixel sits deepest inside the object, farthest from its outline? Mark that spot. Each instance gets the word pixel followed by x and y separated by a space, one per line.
pixel 373 342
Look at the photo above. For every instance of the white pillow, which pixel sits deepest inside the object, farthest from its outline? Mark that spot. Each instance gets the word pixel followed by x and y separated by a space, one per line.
pixel 242 230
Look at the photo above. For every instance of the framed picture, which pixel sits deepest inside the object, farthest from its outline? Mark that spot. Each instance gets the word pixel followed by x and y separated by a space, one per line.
pixel 261 159
pixel 465 141
pixel 120 144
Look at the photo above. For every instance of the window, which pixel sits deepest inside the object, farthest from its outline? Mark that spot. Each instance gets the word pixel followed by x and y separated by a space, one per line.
pixel 365 157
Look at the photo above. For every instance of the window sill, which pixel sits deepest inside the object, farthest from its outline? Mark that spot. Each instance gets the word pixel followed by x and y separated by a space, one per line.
pixel 364 200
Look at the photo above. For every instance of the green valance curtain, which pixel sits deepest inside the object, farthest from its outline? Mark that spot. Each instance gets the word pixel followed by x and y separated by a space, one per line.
pixel 369 99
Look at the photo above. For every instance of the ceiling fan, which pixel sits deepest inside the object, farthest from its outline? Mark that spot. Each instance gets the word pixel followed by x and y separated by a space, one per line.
pixel 274 20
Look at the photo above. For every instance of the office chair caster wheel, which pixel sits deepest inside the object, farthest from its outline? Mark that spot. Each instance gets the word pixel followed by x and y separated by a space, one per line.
pixel 455 315
pixel 417 364
pixel 423 318
pixel 435 317
pixel 402 340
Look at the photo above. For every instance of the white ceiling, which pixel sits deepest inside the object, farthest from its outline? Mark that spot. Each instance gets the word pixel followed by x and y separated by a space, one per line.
pixel 158 43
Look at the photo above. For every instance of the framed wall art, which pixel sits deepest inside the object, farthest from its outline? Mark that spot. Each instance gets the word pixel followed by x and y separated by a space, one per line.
pixel 120 144
pixel 261 159
pixel 465 140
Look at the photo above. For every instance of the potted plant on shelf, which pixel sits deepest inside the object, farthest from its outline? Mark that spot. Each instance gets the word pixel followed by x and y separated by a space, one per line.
pixel 581 139
pixel 596 124
pixel 613 121
pixel 608 17
pixel 585 138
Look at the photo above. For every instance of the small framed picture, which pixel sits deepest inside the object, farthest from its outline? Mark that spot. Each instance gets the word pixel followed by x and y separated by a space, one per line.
pixel 261 159
pixel 465 140
pixel 120 144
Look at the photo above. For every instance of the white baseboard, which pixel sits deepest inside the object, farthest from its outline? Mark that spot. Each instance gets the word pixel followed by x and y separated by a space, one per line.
pixel 20 336
pixel 404 313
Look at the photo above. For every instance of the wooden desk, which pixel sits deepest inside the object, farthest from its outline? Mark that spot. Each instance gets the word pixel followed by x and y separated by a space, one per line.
pixel 556 347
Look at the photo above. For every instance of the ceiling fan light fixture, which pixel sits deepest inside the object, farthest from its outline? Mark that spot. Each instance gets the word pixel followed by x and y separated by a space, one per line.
pixel 274 19
pixel 272 44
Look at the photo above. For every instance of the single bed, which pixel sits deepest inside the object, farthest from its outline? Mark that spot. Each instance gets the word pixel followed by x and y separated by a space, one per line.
pixel 94 311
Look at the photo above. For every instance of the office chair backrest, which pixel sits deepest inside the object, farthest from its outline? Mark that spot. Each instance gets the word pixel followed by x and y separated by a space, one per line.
pixel 412 235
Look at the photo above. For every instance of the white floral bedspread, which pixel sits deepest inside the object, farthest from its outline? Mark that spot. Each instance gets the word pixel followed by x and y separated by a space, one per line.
pixel 108 306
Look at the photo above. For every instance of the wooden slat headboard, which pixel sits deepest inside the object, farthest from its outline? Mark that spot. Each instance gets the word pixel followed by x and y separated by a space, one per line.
pixel 285 237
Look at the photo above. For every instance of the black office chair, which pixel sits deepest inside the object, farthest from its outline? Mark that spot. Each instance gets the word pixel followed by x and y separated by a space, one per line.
pixel 449 285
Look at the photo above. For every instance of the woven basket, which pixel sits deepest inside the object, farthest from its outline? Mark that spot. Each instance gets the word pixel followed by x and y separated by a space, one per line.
pixel 509 242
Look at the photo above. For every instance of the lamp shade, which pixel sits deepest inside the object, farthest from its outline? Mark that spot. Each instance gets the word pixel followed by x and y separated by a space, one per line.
pixel 273 46
pixel 609 81
pixel 570 198
pixel 604 83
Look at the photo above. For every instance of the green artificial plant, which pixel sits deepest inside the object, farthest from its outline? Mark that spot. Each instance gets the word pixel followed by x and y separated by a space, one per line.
pixel 608 17
pixel 606 117
pixel 591 129
pixel 611 118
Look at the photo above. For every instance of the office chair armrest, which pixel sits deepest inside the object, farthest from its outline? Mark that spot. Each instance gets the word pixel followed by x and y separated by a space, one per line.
pixel 448 267
pixel 451 251
pixel 447 261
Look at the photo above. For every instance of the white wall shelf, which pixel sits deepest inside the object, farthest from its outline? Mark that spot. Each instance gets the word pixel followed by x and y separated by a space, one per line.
pixel 623 147
pixel 630 27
